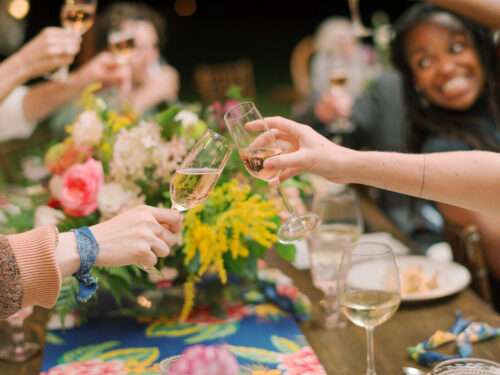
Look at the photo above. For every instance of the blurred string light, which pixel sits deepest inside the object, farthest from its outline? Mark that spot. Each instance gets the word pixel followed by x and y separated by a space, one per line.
pixel 185 7
pixel 18 9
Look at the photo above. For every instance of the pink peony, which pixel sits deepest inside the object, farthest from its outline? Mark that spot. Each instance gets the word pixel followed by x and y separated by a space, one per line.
pixel 92 366
pixel 207 360
pixel 81 185
pixel 302 362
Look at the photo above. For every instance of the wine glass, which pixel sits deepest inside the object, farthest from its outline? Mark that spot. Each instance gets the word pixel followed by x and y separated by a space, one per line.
pixel 341 225
pixel 199 171
pixel 255 146
pixel 78 16
pixel 359 29
pixel 20 350
pixel 369 289
pixel 121 43
pixel 197 175
pixel 339 78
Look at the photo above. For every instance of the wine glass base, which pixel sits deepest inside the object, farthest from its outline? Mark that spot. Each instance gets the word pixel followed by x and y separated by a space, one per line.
pixel 19 354
pixel 298 227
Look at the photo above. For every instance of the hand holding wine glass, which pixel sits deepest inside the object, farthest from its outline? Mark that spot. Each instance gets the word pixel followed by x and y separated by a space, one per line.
pixel 78 16
pixel 369 289
pixel 256 143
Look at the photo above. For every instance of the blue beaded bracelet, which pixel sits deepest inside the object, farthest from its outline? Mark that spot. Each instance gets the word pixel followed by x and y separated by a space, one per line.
pixel 88 248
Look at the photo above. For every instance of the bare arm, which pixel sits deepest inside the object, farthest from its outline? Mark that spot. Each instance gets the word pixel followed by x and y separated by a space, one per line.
pixel 469 179
pixel 486 12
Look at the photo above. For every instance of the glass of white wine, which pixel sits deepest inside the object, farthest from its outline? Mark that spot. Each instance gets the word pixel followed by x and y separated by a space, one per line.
pixel 121 44
pixel 199 171
pixel 341 226
pixel 339 80
pixel 255 146
pixel 78 16
pixel 369 289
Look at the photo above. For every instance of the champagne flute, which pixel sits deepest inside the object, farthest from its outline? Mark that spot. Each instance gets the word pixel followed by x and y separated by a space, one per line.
pixel 20 350
pixel 341 225
pixel 254 148
pixel 121 43
pixel 359 29
pixel 198 174
pixel 369 289
pixel 78 16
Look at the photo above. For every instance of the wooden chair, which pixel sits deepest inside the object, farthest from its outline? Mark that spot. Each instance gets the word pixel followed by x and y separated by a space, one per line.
pixel 300 61
pixel 467 250
pixel 213 81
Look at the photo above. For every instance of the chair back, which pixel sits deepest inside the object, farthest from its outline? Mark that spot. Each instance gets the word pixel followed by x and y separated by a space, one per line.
pixel 467 250
pixel 213 81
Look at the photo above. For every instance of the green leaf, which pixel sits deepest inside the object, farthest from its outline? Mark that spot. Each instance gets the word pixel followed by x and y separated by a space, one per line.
pixel 166 120
pixel 286 251
pixel 53 339
pixel 214 331
pixel 257 249
pixel 87 352
pixel 284 345
pixel 163 329
pixel 145 356
pixel 255 354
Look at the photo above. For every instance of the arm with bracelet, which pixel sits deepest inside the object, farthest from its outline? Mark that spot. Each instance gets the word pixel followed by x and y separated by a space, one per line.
pixel 32 264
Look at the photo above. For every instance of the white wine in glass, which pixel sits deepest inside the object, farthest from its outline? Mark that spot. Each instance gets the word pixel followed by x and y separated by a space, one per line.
pixel 369 289
pixel 198 173
pixel 76 15
pixel 255 147
pixel 121 44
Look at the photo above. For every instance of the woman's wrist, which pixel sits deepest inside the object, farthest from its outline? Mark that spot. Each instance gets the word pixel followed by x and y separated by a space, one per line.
pixel 66 254
pixel 14 71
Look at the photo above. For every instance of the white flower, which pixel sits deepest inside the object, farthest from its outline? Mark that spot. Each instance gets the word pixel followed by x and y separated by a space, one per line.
pixel 88 129
pixel 45 215
pixel 55 186
pixel 187 118
pixel 112 198
pixel 34 169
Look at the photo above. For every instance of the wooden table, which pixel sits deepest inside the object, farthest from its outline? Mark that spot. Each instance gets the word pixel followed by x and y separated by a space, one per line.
pixel 343 351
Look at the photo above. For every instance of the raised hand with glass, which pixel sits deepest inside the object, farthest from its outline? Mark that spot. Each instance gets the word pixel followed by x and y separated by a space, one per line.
pixel 78 16
pixel 369 289
pixel 256 143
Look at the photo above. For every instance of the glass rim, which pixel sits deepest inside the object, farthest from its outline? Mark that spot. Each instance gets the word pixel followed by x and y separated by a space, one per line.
pixel 248 102
pixel 386 249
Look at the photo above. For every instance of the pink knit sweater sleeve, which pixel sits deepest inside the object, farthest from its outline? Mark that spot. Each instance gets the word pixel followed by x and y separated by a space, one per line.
pixel 35 268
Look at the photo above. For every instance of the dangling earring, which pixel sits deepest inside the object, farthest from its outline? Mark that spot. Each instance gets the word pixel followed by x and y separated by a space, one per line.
pixel 424 102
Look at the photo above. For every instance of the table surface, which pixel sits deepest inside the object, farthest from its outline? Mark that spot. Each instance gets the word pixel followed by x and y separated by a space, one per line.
pixel 343 351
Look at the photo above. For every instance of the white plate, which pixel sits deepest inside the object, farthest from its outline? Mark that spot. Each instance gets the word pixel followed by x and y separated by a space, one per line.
pixel 452 277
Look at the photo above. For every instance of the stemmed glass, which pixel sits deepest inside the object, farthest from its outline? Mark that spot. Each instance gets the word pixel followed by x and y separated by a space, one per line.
pixel 76 15
pixel 341 225
pixel 359 29
pixel 339 78
pixel 20 350
pixel 257 145
pixel 121 43
pixel 369 289
pixel 198 174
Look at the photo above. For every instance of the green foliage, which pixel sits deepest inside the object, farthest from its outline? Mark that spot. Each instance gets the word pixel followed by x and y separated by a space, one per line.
pixel 167 122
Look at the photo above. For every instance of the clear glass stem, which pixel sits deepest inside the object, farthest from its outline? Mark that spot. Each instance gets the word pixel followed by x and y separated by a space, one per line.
pixel 286 202
pixel 61 74
pixel 370 353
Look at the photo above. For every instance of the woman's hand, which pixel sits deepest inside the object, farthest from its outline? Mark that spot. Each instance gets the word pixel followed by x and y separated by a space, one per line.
pixel 52 48
pixel 138 236
pixel 309 151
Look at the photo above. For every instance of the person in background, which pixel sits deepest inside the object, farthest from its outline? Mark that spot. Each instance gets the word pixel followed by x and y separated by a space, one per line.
pixel 337 48
pixel 22 107
pixel 33 263
pixel 448 66
pixel 153 80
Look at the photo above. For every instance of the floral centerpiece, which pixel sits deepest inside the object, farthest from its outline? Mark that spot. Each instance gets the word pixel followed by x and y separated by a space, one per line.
pixel 112 161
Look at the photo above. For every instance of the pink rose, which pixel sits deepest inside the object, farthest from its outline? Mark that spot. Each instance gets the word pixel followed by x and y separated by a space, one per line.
pixel 81 184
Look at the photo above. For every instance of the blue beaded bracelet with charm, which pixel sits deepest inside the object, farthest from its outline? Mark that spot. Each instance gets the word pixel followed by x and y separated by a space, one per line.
pixel 88 248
